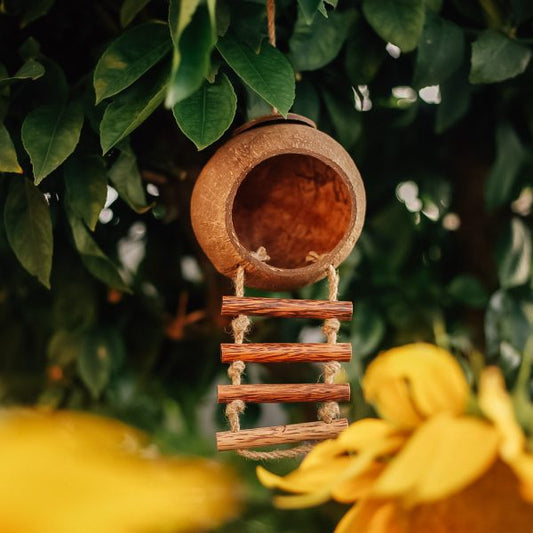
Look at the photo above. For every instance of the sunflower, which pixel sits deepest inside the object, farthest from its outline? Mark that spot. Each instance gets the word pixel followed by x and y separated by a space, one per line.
pixel 65 471
pixel 438 459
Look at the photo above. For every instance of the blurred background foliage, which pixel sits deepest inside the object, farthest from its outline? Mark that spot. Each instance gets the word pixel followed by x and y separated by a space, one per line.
pixel 107 303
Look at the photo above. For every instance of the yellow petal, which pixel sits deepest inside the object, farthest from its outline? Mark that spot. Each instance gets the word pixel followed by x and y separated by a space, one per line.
pixel 364 434
pixel 65 472
pixel 370 516
pixel 357 487
pixel 444 455
pixel 497 406
pixel 413 382
pixel 321 453
pixel 308 479
pixel 523 468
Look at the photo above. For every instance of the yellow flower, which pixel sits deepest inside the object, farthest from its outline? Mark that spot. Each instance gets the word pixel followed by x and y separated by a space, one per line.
pixel 63 472
pixel 428 465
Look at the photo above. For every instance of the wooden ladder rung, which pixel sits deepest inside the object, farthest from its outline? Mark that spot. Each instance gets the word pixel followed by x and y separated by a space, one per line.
pixel 283 307
pixel 289 434
pixel 286 352
pixel 280 393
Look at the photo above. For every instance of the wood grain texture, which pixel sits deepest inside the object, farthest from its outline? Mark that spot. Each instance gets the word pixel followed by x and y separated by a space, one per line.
pixel 273 435
pixel 285 392
pixel 284 307
pixel 286 352
pixel 271 169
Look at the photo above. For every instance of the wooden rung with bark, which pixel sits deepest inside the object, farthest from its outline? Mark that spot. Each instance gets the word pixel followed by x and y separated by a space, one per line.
pixel 287 308
pixel 286 352
pixel 273 435
pixel 281 393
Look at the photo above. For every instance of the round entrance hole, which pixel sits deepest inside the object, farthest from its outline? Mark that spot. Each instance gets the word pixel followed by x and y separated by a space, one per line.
pixel 292 204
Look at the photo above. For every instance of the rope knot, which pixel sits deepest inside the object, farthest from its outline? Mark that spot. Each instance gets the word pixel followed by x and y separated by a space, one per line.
pixel 261 254
pixel 330 371
pixel 235 371
pixel 331 327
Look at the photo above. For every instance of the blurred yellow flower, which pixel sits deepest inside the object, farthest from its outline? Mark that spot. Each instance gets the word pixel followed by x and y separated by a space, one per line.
pixel 427 466
pixel 66 472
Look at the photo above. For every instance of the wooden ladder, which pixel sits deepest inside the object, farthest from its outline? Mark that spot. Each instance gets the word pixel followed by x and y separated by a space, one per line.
pixel 233 306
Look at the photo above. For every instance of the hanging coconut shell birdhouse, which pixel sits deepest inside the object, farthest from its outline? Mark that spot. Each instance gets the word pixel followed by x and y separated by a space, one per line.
pixel 279 206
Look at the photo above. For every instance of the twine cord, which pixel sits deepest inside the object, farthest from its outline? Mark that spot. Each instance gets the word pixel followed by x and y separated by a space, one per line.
pixel 271 23
pixel 329 411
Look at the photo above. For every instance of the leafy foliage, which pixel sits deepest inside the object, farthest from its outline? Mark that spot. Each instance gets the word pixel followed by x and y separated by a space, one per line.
pixel 109 109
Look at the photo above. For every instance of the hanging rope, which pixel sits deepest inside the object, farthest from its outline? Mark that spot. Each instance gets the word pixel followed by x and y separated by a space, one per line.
pixel 271 20
pixel 329 411
pixel 271 23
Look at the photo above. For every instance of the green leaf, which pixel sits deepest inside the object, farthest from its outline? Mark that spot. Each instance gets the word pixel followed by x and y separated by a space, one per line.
pixel 131 108
pixel 309 8
pixel 8 154
pixel 129 57
pixel 314 46
pixel 130 9
pixel 64 347
pixel 495 57
pixel 368 330
pixel 208 113
pixel 307 102
pixel 397 21
pixel 468 290
pixel 86 187
pixel 514 265
pixel 34 9
pixel 345 118
pixel 192 54
pixel 30 70
pixel 50 134
pixel 95 261
pixel 440 52
pixel 94 361
pixel 505 322
pixel 127 180
pixel 510 154
pixel 364 54
pixel 29 228
pixel 268 73
pixel 455 99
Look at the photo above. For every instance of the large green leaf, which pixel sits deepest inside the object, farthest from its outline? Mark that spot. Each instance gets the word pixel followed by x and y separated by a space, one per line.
pixel 192 53
pixel 127 180
pixel 29 228
pixel 268 73
pixel 397 21
pixel 495 57
pixel 94 259
pixel 34 9
pixel 30 70
pixel 309 9
pixel 129 57
pixel 129 10
pixel 367 331
pixel 314 45
pixel 468 290
pixel 514 264
pixel 131 108
pixel 50 134
pixel 440 52
pixel 345 118
pixel 86 187
pixel 510 154
pixel 94 361
pixel 455 99
pixel 364 53
pixel 208 113
pixel 8 155
pixel 307 102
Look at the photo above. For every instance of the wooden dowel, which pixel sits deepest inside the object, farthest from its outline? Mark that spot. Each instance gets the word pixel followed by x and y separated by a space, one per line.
pixel 282 307
pixel 280 393
pixel 254 438
pixel 286 352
